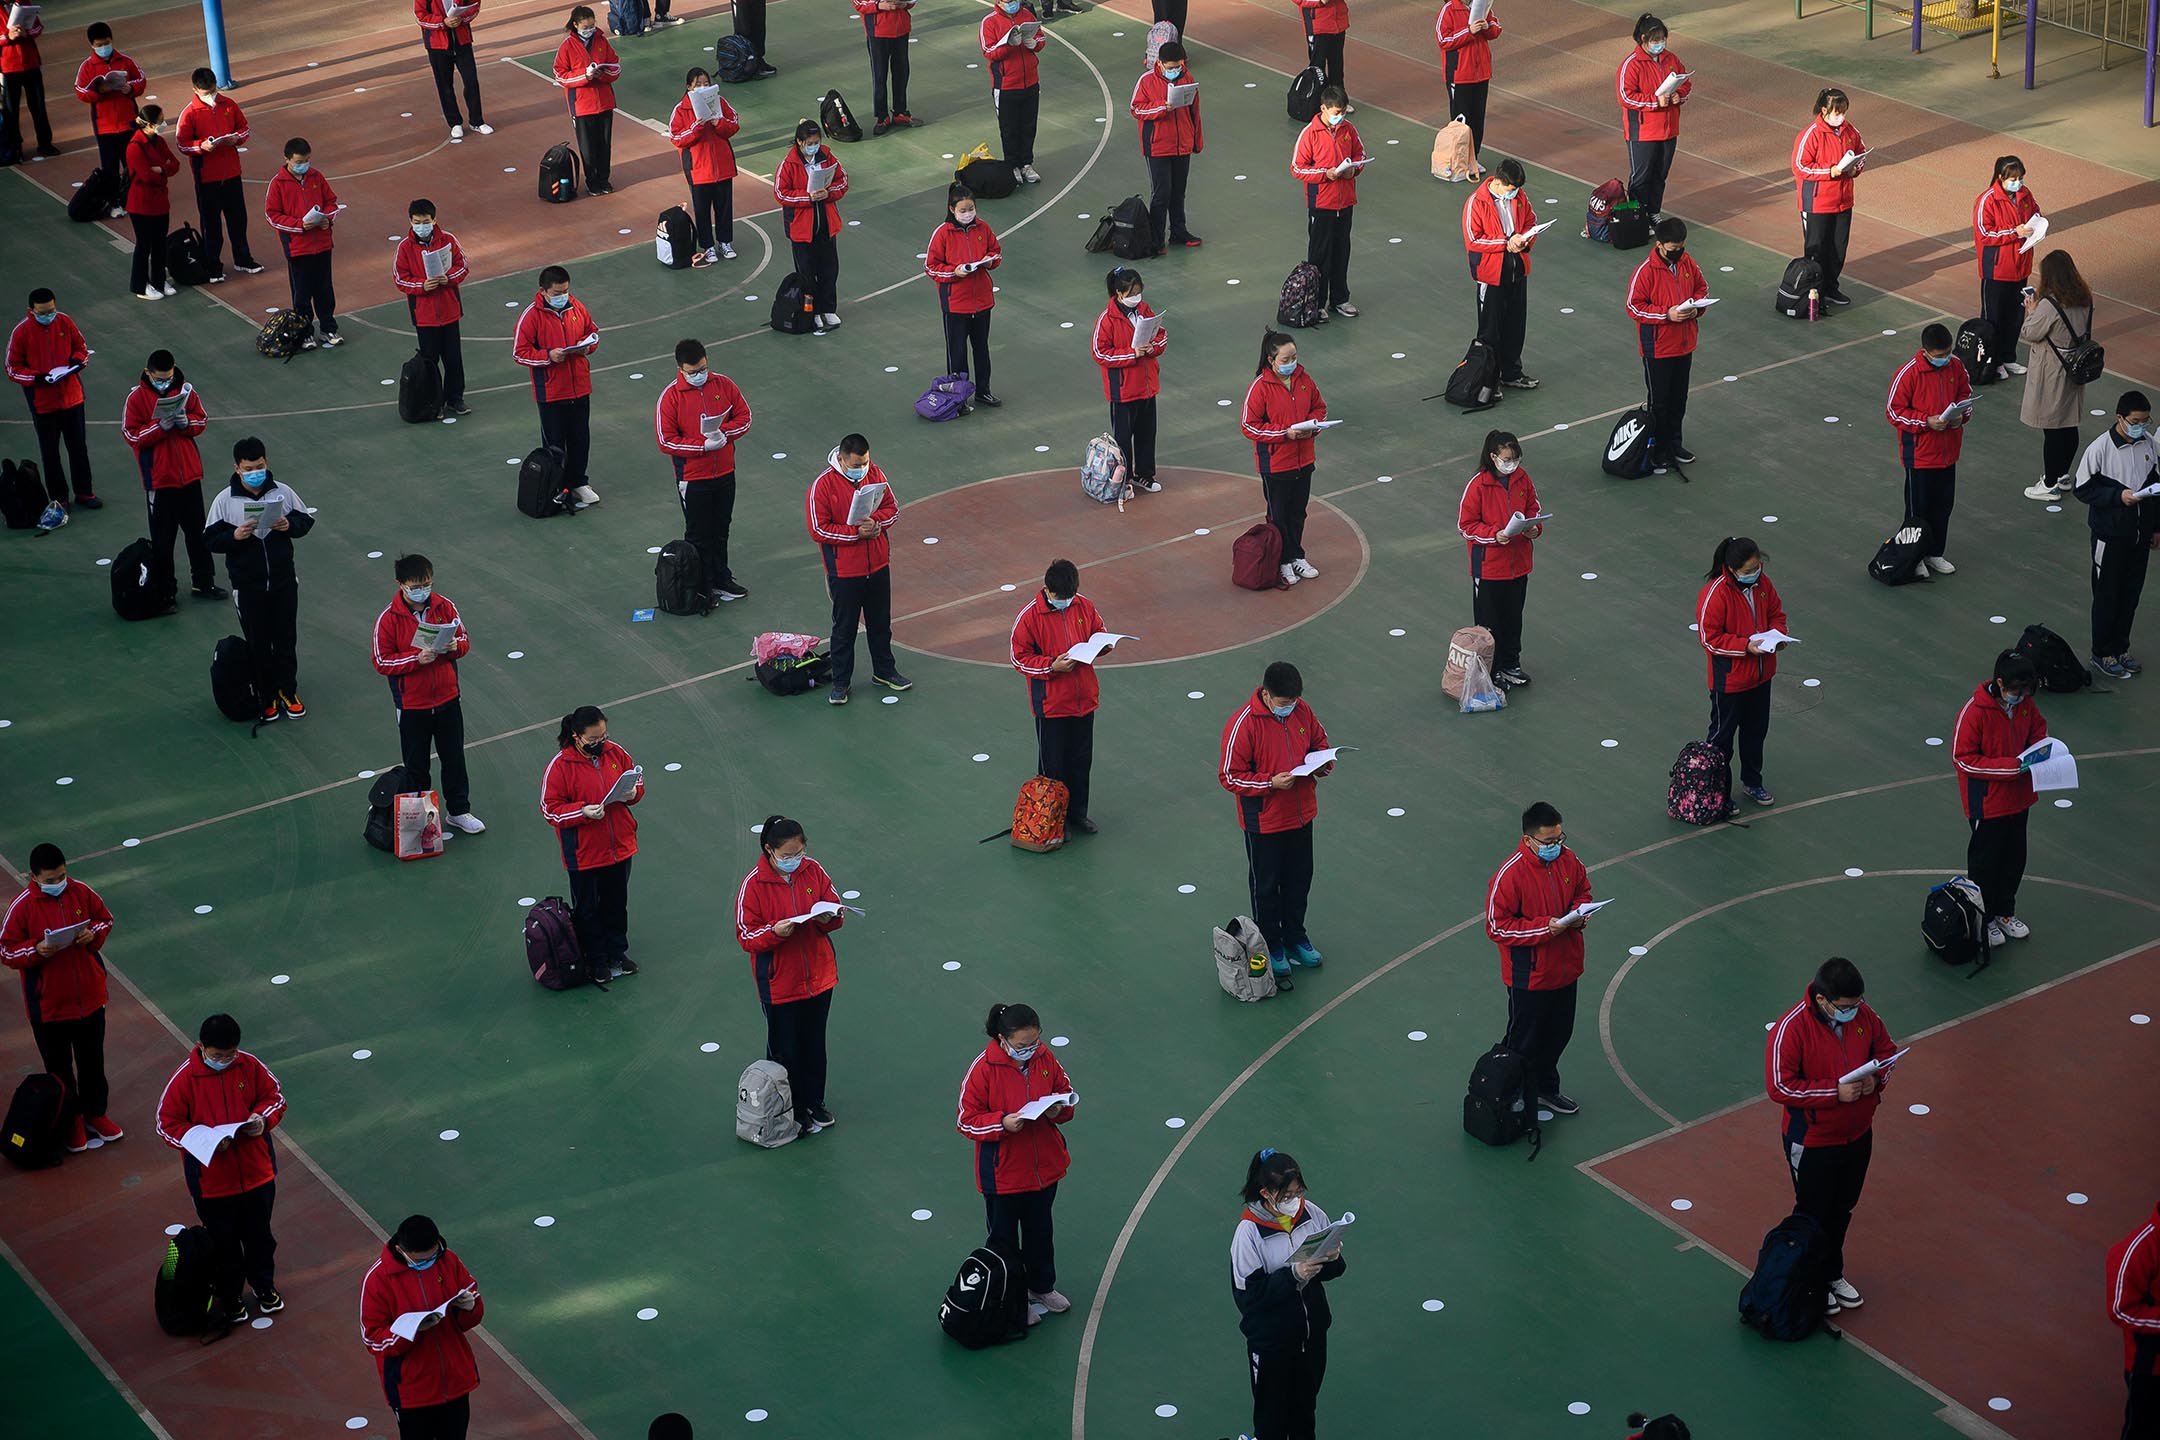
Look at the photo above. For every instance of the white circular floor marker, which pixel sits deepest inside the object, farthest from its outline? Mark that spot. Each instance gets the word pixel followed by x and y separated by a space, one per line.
pixel 1060 1041
pixel 1998 619
pixel 754 1416
pixel 281 979
pixel 1203 530
pixel 1175 1122
pixel 1395 812
pixel 1638 950
pixel 1196 694
pixel 1166 1411
pixel 174 1229
pixel 1567 310
pixel 1609 744
pixel 517 655
pixel 527 900
pixel 1383 479
pixel 652 549
pixel 1434 1307
pixel 1008 588
pixel 1682 1203
pixel 1998 1403
pixel 1589 574
pixel 1812 683
pixel 952 964
pixel 1578 1407
pixel 130 843
pixel 362 1054
pixel 1543 1116
pixel 2076 1197
pixel 1042 449
pixel 2054 509
pixel 357 1422
pixel 1187 889
pixel 1728 379
pixel 1917 1109
pixel 203 909
pixel 709 1047
pixel 918 1215
pixel 2064 804
pixel 757 829
pixel 892 700
pixel 1398 633
pixel 1769 519
pixel 1417 1035
pixel 542 1222
pixel 1934 740
pixel 69 780
pixel 1829 420
pixel 672 765
pixel 978 757
pixel 447 1135
pixel 2141 1019
pixel 929 539
pixel 1853 872
pixel 648 1313
pixel 851 894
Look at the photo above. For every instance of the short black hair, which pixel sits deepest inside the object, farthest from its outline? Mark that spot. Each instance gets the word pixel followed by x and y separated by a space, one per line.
pixel 2132 401
pixel 1935 337
pixel 416 1232
pixel 1334 97
pixel 1062 579
pixel 46 857
pixel 99 30
pixel 412 567
pixel 1510 172
pixel 689 352
pixel 2016 669
pixel 42 296
pixel 853 444
pixel 1838 979
pixel 219 1032
pixel 1672 229
pixel 421 206
pixel 554 275
pixel 203 78
pixel 1283 681
pixel 672 1426
pixel 298 145
pixel 1538 816
pixel 160 360
pixel 1170 50
pixel 248 448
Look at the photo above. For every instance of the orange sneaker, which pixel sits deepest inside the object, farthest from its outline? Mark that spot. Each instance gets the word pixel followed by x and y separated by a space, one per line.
pixel 293 707
pixel 104 1128
pixel 78 1138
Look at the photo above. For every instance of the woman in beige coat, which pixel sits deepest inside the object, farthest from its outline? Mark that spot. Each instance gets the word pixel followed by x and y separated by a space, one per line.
pixel 2058 305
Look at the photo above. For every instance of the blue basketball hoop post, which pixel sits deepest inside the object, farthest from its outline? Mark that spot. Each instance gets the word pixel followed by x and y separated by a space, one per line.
pixel 213 15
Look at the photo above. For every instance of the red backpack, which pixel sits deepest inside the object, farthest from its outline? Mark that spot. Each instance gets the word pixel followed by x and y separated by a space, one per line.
pixel 1256 558
pixel 1038 816
pixel 1602 199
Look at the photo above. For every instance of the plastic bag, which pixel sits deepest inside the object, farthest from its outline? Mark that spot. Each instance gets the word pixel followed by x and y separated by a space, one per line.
pixel 1478 690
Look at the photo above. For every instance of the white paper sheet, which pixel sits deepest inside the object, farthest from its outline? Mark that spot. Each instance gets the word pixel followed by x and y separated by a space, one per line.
pixel 1958 410
pixel 867 499
pixel 1180 96
pixel 434 264
pixel 705 102
pixel 1326 1244
pixel 824 909
pixel 1316 759
pixel 316 212
pixel 407 1326
pixel 1873 1067
pixel 1024 33
pixel 1480 10
pixel 585 344
pixel 2053 766
pixel 715 426
pixel 202 1141
pixel 1540 228
pixel 1585 910
pixel 22 17
pixel 1772 639
pixel 1671 83
pixel 1313 427
pixel 625 786
pixel 2148 492
pixel 1704 303
pixel 264 513
pixel 66 935
pixel 1088 651
pixel 1040 1106
pixel 1852 158
pixel 1144 330
pixel 2039 225
pixel 1519 522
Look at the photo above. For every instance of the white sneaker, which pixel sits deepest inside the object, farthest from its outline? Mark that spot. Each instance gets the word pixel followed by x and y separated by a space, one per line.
pixel 331 342
pixel 1920 571
pixel 2013 367
pixel 1027 173
pixel 171 289
pixel 457 132
pixel 586 495
pixel 727 252
pixel 1305 568
pixel 1844 1296
pixel 118 212
pixel 2041 491
pixel 2002 372
pixel 1050 1300
pixel 468 822
pixel 149 294
pixel 2013 927
pixel 1289 575
pixel 1939 565
pixel 832 321
pixel 1019 175
pixel 484 129
pixel 1995 934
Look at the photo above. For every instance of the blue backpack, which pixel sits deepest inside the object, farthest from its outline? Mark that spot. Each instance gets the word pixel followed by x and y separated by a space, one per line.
pixel 627 17
pixel 1789 1293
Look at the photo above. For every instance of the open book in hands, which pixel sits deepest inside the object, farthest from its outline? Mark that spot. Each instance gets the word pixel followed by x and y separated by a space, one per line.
pixel 1957 412
pixel 1316 760
pixel 407 1326
pixel 1671 84
pixel 823 910
pixel 1584 911
pixel 1043 1104
pixel 1327 1244
pixel 1519 522
pixel 625 786
pixel 1087 651
pixel 437 639
pixel 1872 1067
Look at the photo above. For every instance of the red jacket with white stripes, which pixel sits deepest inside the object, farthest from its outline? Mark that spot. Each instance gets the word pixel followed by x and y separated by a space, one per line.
pixel 2133 1295
pixel 1996 216
pixel 848 554
pixel 1320 149
pixel 587 71
pixel 112 112
pixel 1164 131
pixel 35 351
pixel 1325 17
pixel 199 1095
pixel 436 1365
pixel 223 122
pixel 1012 66
pixel 1823 188
pixel 1985 748
pixel 1041 635
pixel 1919 392
pixel 151 164
pixel 1256 747
pixel 1636 83
pixel 1465 55
pixel 885 24
pixel 705 142
pixel 166 456
pixel 441 305
pixel 414 686
pixel 19 56
pixel 679 425
pixel 1271 408
pixel 71 984
pixel 431 14
pixel 952 246
pixel 572 782
pixel 1726 614
pixel 1802 1061
pixel 802 966
pixel 791 188
pixel 1657 287
pixel 1485 241
pixel 542 329
pixel 1014 1162
pixel 1126 373
pixel 1526 895
pixel 1489 501
pixel 288 203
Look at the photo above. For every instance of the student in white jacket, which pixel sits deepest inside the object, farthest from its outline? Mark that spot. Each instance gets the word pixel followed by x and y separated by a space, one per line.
pixel 1282 1307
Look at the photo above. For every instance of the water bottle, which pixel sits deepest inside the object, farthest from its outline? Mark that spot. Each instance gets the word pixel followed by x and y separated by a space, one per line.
pixel 1814 304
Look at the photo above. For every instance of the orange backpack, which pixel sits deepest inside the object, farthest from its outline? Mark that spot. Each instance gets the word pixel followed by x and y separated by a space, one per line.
pixel 1039 815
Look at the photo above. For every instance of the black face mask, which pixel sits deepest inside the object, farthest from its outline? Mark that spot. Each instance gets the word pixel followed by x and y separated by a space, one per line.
pixel 1673 255
pixel 594 748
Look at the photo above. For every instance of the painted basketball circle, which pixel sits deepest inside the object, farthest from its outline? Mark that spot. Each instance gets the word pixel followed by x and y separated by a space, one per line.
pixel 1146 569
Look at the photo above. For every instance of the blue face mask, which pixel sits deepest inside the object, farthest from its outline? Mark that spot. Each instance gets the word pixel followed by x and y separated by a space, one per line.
pixel 427 1264
pixel 1057 604
pixel 254 479
pixel 1286 369
pixel 2136 432
pixel 2013 186
pixel 161 386
pixel 300 167
pixel 1747 579
pixel 1938 361
pixel 787 864
pixel 56 889
pixel 1171 72
pixel 216 1064
pixel 1549 851
pixel 1283 712
pixel 1025 1053
pixel 1846 1015
pixel 1011 7
pixel 418 594
pixel 856 472
pixel 423 232
pixel 1654 47
pixel 557 302
pixel 47 318
pixel 103 52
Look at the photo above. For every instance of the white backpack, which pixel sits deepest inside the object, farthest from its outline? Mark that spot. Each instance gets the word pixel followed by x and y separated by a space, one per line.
pixel 1161 33
pixel 1102 472
pixel 1237 950
pixel 765 1106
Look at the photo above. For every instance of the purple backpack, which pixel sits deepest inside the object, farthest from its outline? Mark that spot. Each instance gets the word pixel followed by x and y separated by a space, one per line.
pixel 551 947
pixel 947 393
pixel 1701 788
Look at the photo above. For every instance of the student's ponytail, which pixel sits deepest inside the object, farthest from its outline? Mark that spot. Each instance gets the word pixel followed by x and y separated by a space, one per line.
pixel 1271 1169
pixel 1271 340
pixel 778 830
pixel 1005 1021
pixel 582 718
pixel 1732 552
pixel 1647 25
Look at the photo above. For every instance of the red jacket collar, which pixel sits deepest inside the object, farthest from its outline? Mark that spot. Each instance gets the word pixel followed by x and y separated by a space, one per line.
pixel 1267 1220
pixel 1260 707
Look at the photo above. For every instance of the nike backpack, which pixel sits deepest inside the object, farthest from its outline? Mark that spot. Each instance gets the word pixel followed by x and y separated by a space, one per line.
pixel 1789 1293
pixel 679 586
pixel 1898 559
pixel 1627 449
pixel 987 1302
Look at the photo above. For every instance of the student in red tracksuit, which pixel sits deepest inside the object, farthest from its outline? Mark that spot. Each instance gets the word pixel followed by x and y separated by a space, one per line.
pixel 151 165
pixel 212 130
pixel 1327 26
pixel 429 1379
pixel 64 988
pixel 1997 726
pixel 791 959
pixel 885 25
pixel 858 563
pixel 45 355
pixel 1824 162
pixel 22 77
pixel 1829 1129
pixel 297 191
pixel 698 419
pixel 2002 220
pixel 1530 913
pixel 813 219
pixel 2133 1302
pixel 708 166
pixel 108 82
pixel 1063 693
pixel 1497 520
pixel 1268 737
pixel 1015 82
pixel 1283 411
pixel 1737 603
pixel 1661 301
pixel 1169 137
pixel 450 48
pixel 221 1084
pixel 1929 438
pixel 433 300
pixel 556 336
pixel 587 67
pixel 1019 1161
pixel 598 839
pixel 1650 123
pixel 1466 63
pixel 424 685
pixel 172 474
pixel 963 251
pixel 1129 374
pixel 1327 159
pixel 1496 224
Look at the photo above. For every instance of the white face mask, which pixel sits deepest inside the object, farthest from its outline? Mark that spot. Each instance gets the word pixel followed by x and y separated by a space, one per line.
pixel 963 218
pixel 423 232
pixel 1130 302
pixel 697 377
pixel 1285 1206
pixel 418 594
pixel 586 32
pixel 1506 467
pixel 1835 122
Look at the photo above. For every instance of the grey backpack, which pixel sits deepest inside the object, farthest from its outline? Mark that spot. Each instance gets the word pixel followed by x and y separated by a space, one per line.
pixel 1237 949
pixel 765 1106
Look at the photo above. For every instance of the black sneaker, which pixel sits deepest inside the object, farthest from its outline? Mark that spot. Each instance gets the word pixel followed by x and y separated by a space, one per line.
pixel 1521 382
pixel 821 1117
pixel 268 1302
pixel 211 592
pixel 1083 824
pixel 88 502
pixel 838 696
pixel 1559 1104
pixel 984 397
pixel 1837 297
pixel 731 589
pixel 765 72
pixel 49 151
pixel 627 967
pixel 457 407
pixel 894 681
pixel 1512 676
pixel 1683 456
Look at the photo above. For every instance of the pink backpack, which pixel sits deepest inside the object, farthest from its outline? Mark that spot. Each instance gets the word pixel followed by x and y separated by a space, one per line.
pixel 1454 157
pixel 773 644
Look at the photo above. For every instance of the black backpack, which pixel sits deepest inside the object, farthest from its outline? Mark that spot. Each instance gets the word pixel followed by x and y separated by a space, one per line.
pixel 98 193
pixel 1627 450
pixel 419 391
pixel 675 241
pixel 1300 307
pixel 284 335
pixel 679 580
pixel 2058 664
pixel 627 17
pixel 381 830
pixel 987 1302
pixel 791 307
pixel 22 494
pixel 1802 278
pixel 990 178
pixel 1976 351
pixel 184 260
pixel 232 680
pixel 32 1136
pixel 1897 559
pixel 794 675
pixel 1304 97
pixel 1789 1293
pixel 559 174
pixel 183 1292
pixel 1499 1109
pixel 1132 230
pixel 541 492
pixel 1627 227
pixel 1954 924
pixel 837 121
pixel 2083 362
pixel 734 59
pixel 132 595
pixel 1475 383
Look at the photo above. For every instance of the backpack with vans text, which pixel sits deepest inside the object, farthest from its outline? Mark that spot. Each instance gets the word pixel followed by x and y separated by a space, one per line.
pixel 1498 1107
pixel 765 1106
pixel 560 171
pixel 1898 559
pixel 182 1294
pixel 1468 648
pixel 1954 922
pixel 552 951
pixel 284 335
pixel 1789 1293
pixel 34 1133
pixel 679 586
pixel 1700 787
pixel 1300 307
pixel 836 120
pixel 2060 669
pixel 987 1302
pixel 22 494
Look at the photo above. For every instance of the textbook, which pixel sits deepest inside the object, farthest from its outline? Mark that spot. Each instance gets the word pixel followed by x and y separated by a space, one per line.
pixel 1144 330
pixel 441 639
pixel 1772 640
pixel 824 909
pixel 819 177
pixel 407 1326
pixel 866 502
pixel 435 264
pixel 585 344
pixel 1087 651
pixel 1702 302
pixel 625 786
pixel 1042 1105
pixel 1540 228
pixel 1519 522
pixel 1024 33
pixel 1313 427
pixel 1671 83
pixel 1584 911
pixel 1480 10
pixel 715 426
pixel 22 17
pixel 1180 96
pixel 1958 411
pixel 705 102
pixel 1327 1244
pixel 1852 157
pixel 316 212
pixel 1873 1067
pixel 2050 764
pixel 66 935
pixel 170 407
pixel 202 1141
pixel 1318 759
pixel 263 514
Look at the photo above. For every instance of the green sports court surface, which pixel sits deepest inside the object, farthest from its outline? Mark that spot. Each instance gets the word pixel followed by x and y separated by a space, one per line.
pixel 794 1292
